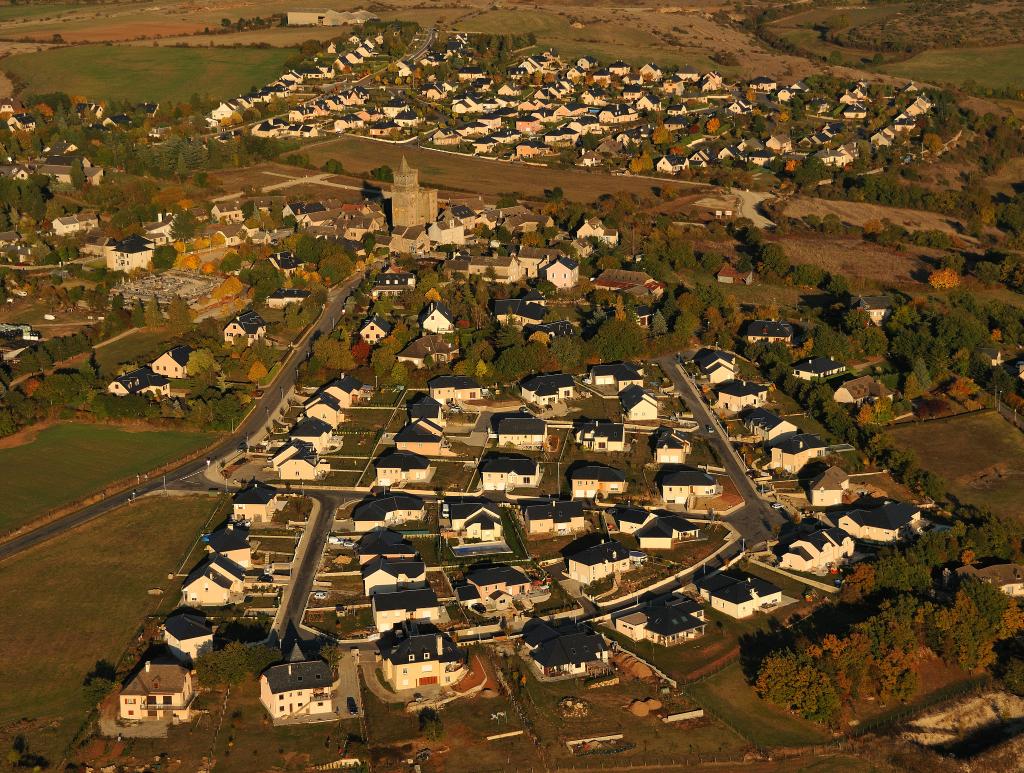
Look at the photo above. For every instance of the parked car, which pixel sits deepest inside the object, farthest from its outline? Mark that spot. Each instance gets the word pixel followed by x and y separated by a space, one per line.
pixel 353 707
pixel 320 595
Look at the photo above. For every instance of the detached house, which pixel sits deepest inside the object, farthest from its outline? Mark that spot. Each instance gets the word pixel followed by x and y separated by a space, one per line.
pixel 601 436
pixel 828 487
pixel 638 404
pixel 187 636
pixel 616 374
pixel 671 446
pixel 813 368
pixel 597 562
pixel 505 473
pixel 678 620
pixel 567 650
pixel 524 432
pixel 738 597
pixel 385 575
pixel 375 329
pixel 794 452
pixel 417 605
pixel 173 363
pixel 769 331
pixel 887 522
pixel 387 511
pixel 403 467
pixel 437 318
pixel 717 366
pixel 160 690
pixel 248 327
pixel 257 503
pixel 591 481
pixel 453 389
pixel 553 516
pixel 735 396
pixel 142 381
pixel 686 485
pixel 301 688
pixel 818 551
pixel 418 655
pixel 215 582
pixel 549 389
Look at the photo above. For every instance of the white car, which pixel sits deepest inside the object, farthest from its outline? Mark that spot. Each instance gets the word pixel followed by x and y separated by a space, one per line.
pixel 320 595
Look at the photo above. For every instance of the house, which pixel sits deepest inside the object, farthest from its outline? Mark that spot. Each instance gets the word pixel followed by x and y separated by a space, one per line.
pixel 386 510
pixel 715 365
pixel 231 541
pixel 141 381
pixel 403 467
pixel 628 519
pixel 300 689
pixel 345 390
pixel 187 636
pixel 597 562
pixel 738 597
pixel 685 485
pixel 416 655
pixel 635 283
pixel 728 275
pixel 298 460
pixel 877 307
pixel 247 326
pixel 437 318
pixel 616 374
pixel 769 331
pixel 385 575
pixel 173 363
pixel 429 350
pixel 794 452
pixel 519 311
pixel 392 282
pixel 133 253
pixel 375 329
pixel 425 407
pixel 475 519
pixel 601 436
pixel 568 650
pixel 638 404
pixel 591 481
pixel 735 396
pixel 768 427
pixel 72 224
pixel 522 431
pixel 505 473
pixel 422 436
pixel 548 389
pixel 595 229
pixel 818 551
pixel 671 446
pixel 495 585
pixel 663 532
pixel 812 368
pixel 1009 578
pixel 326 407
pixel 677 620
pixel 453 389
pixel 860 390
pixel 285 296
pixel 158 690
pixel 887 522
pixel 562 272
pixel 827 488
pixel 256 503
pixel 553 516
pixel 314 431
pixel 418 605
pixel 215 582
pixel 384 543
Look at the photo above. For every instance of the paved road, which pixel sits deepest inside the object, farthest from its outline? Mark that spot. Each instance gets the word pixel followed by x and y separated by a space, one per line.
pixel 755 519
pixel 191 473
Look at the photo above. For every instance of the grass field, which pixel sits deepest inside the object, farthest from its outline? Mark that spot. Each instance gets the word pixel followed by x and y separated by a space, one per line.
pixel 140 344
pixel 990 67
pixel 979 455
pixel 143 74
pixel 728 696
pixel 67 462
pixel 78 599
pixel 479 175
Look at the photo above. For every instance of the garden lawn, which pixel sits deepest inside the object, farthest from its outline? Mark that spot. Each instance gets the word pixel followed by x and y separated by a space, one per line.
pixel 68 462
pixel 139 346
pixel 727 696
pixel 146 74
pixel 80 598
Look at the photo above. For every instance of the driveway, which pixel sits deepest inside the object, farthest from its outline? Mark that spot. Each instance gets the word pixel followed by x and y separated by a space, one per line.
pixel 348 684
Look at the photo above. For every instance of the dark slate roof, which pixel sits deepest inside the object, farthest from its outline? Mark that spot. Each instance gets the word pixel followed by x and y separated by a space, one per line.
pixel 738 388
pixel 185 626
pixel 140 379
pixel 669 621
pixel 599 472
pixel 423 406
pixel 204 569
pixel 509 464
pixel 228 537
pixel 521 425
pixel 798 443
pixel 302 675
pixel 769 328
pixel 611 550
pixel 452 382
pixel 686 476
pixel 283 293
pixel 180 354
pixel 565 649
pixel 735 589
pixel 250 321
pixel 622 371
pixel 395 568
pixel 818 365
pixel 490 575
pixel 559 510
pixel 555 329
pixel 665 526
pixel 403 460
pixel 419 598
pixel 548 384
pixel 419 644
pixel 310 426
pixel 382 541
pixel 346 383
pixel 610 430
pixel 890 515
pixel 378 509
pixel 633 395
pixel 762 419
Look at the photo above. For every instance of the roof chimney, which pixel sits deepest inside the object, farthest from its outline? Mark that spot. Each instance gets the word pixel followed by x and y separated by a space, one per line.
pixel 147 666
pixel 160 217
pixel 440 645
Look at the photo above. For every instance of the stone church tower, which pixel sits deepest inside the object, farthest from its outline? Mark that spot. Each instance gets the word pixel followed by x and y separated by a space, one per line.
pixel 411 204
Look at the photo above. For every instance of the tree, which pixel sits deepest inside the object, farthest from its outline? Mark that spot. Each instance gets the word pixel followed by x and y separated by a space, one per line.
pixel 257 372
pixel 77 174
pixel 179 315
pixel 154 318
pixel 231 665
pixel 944 279
pixel 164 257
pixel 430 724
pixel 201 363
pixel 184 226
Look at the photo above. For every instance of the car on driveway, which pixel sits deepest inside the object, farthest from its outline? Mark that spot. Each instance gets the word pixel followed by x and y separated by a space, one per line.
pixel 778 506
pixel 353 707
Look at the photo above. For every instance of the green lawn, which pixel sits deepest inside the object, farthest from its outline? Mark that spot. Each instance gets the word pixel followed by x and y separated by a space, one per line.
pixel 78 599
pixel 990 67
pixel 728 696
pixel 144 74
pixel 140 346
pixel 980 456
pixel 67 462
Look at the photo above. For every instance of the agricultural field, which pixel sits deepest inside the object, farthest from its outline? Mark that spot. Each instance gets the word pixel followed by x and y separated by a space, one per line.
pixel 995 68
pixel 979 455
pixel 84 458
pixel 79 599
pixel 479 175
pixel 146 74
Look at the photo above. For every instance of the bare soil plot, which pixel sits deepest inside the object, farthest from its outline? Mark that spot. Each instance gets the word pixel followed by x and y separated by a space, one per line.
pixel 856 213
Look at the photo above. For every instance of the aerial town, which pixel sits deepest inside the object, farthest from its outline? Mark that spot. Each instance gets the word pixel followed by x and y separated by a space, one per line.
pixel 422 388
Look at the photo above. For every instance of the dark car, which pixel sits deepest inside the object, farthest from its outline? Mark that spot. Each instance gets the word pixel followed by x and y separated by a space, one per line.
pixel 353 707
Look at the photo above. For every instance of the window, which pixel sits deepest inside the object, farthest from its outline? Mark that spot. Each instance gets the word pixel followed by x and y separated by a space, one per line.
pixel 426 656
pixel 412 658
